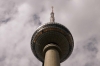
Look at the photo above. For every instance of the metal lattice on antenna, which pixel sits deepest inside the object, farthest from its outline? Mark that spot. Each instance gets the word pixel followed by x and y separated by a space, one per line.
pixel 52 18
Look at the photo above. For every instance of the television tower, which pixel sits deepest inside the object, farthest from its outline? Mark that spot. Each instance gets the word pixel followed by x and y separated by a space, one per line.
pixel 52 43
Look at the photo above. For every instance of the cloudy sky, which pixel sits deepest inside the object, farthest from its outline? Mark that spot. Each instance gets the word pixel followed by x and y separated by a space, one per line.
pixel 20 18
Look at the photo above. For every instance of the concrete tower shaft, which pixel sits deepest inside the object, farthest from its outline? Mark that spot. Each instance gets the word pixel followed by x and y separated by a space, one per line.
pixel 52 55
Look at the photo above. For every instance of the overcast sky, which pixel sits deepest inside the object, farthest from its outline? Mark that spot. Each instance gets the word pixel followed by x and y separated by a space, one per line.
pixel 20 18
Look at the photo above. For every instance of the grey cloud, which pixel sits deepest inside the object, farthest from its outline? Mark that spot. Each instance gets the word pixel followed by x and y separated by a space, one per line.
pixel 91 45
pixel 85 53
pixel 2 58
pixel 92 63
pixel 6 20
pixel 36 19
pixel 7 10
pixel 82 17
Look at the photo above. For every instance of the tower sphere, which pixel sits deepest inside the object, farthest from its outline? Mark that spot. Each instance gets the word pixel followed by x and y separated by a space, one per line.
pixel 52 33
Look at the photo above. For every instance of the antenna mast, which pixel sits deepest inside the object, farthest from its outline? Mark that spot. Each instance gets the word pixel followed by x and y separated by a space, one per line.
pixel 52 18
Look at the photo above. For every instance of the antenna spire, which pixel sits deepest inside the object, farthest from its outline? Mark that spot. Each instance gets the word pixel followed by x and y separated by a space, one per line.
pixel 52 18
pixel 52 8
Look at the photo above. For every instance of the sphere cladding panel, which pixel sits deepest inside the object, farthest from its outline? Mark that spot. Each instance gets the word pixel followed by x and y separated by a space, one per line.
pixel 52 33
